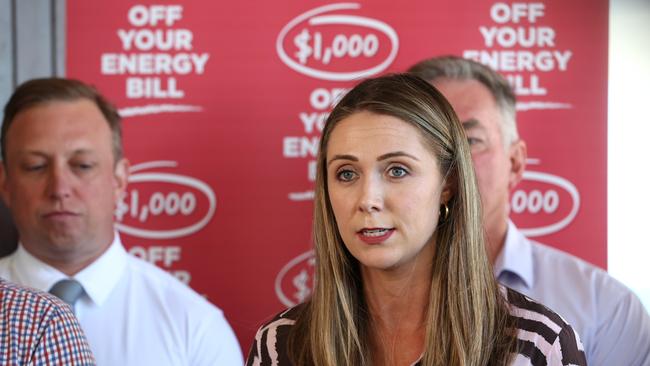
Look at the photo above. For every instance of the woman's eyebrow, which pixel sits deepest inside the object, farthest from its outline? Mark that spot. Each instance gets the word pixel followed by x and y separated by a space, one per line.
pixel 396 154
pixel 342 157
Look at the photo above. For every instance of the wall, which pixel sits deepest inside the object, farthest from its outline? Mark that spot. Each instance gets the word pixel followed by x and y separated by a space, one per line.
pixel 32 44
pixel 629 129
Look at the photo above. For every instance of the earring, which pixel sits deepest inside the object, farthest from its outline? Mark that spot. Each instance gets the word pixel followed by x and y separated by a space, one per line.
pixel 444 212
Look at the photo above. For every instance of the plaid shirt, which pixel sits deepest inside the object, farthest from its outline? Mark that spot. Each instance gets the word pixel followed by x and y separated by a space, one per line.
pixel 38 329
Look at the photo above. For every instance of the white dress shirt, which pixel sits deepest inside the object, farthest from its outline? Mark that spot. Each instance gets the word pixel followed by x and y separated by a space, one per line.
pixel 612 322
pixel 134 313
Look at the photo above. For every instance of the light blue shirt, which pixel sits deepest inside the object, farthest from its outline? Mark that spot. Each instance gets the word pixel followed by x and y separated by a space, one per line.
pixel 612 322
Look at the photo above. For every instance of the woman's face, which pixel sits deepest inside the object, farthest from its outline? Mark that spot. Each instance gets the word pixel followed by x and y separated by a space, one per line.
pixel 385 188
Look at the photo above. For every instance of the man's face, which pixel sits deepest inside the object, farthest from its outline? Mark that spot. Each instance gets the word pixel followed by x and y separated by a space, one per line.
pixel 498 169
pixel 61 182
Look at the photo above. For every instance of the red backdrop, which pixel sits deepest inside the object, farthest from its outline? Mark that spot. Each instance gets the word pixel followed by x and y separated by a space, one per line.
pixel 224 102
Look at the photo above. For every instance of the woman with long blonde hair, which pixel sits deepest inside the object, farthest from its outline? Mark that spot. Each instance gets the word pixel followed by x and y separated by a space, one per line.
pixel 402 276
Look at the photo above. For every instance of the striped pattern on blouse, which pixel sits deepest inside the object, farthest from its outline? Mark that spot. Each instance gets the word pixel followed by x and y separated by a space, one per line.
pixel 543 337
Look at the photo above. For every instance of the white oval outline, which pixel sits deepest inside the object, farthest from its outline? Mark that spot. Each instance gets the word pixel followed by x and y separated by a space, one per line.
pixel 337 19
pixel 153 164
pixel 181 180
pixel 278 279
pixel 562 183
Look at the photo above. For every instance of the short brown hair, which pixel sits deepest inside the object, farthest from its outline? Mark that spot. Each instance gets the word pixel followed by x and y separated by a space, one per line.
pixel 38 91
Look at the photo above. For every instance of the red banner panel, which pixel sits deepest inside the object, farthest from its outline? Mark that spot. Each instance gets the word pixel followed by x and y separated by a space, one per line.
pixel 224 102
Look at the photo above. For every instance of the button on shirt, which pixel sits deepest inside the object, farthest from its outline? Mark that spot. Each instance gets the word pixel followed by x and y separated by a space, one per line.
pixel 612 322
pixel 134 313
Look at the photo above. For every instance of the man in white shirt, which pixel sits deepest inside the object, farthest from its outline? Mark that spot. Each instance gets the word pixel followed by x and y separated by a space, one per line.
pixel 612 323
pixel 61 176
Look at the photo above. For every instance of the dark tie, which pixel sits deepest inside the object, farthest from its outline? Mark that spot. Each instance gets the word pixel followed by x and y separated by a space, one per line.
pixel 67 290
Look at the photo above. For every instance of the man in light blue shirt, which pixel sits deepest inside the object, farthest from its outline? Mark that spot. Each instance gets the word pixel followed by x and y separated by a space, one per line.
pixel 612 323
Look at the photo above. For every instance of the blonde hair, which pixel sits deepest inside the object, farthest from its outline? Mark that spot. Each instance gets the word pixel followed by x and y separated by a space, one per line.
pixel 467 319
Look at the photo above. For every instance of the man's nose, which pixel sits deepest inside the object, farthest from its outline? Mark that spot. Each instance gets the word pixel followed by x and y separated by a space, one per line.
pixel 59 183
pixel 371 197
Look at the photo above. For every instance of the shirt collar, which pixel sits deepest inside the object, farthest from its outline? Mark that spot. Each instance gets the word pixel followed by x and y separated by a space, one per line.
pixel 98 279
pixel 516 257
pixel 101 276
pixel 34 272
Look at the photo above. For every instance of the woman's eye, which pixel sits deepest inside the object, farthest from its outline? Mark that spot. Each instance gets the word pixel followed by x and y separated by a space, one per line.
pixel 345 175
pixel 397 172
pixel 472 141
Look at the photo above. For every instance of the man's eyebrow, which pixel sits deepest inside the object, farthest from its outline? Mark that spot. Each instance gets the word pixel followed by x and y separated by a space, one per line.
pixel 342 157
pixel 43 154
pixel 471 123
pixel 33 153
pixel 82 151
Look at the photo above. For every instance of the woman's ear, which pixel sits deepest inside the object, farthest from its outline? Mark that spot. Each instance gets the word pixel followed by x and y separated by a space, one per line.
pixel 449 189
pixel 445 196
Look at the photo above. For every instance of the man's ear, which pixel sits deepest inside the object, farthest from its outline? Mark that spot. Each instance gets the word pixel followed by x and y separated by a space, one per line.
pixel 121 178
pixel 518 155
pixel 4 184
